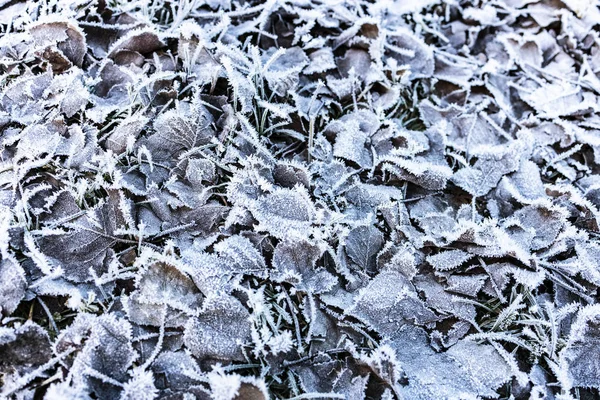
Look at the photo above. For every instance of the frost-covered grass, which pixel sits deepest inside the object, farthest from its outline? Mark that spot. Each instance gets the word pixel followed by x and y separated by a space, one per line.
pixel 312 199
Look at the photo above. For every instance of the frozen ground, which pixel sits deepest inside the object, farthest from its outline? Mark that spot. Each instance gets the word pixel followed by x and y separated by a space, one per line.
pixel 308 199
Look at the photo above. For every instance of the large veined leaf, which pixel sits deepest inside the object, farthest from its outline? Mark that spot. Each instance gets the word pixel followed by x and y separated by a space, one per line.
pixel 220 330
pixel 295 262
pixel 467 369
pixel 86 244
pixel 285 212
pixel 68 38
pixel 390 302
pixel 362 245
pixel 581 352
pixel 162 288
pixel 485 174
pixel 218 271
pixel 106 355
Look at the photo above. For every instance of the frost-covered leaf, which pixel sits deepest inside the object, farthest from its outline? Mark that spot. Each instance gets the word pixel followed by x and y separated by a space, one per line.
pixel 482 364
pixel 581 353
pixel 295 262
pixel 546 223
pixel 405 47
pixel 445 303
pixel 143 41
pixel 69 92
pixel 36 141
pixel 12 286
pixel 526 182
pixel 289 175
pixel 400 259
pixel 175 370
pixel 383 362
pixel 69 39
pixel 87 243
pixel 449 259
pixel 468 285
pixel 107 351
pixel 388 303
pixel 370 197
pixel 220 330
pixel 24 348
pixel 362 245
pixel 352 133
pixel 285 212
pixel 241 254
pixel 421 172
pixel 469 371
pixel 18 102
pixel 175 132
pixel 140 386
pixel 236 387
pixel 159 286
pixel 321 60
pixel 558 100
pixel 243 89
pixel 485 174
pixel 199 170
pixel 234 257
pixel 282 73
pixel 128 129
